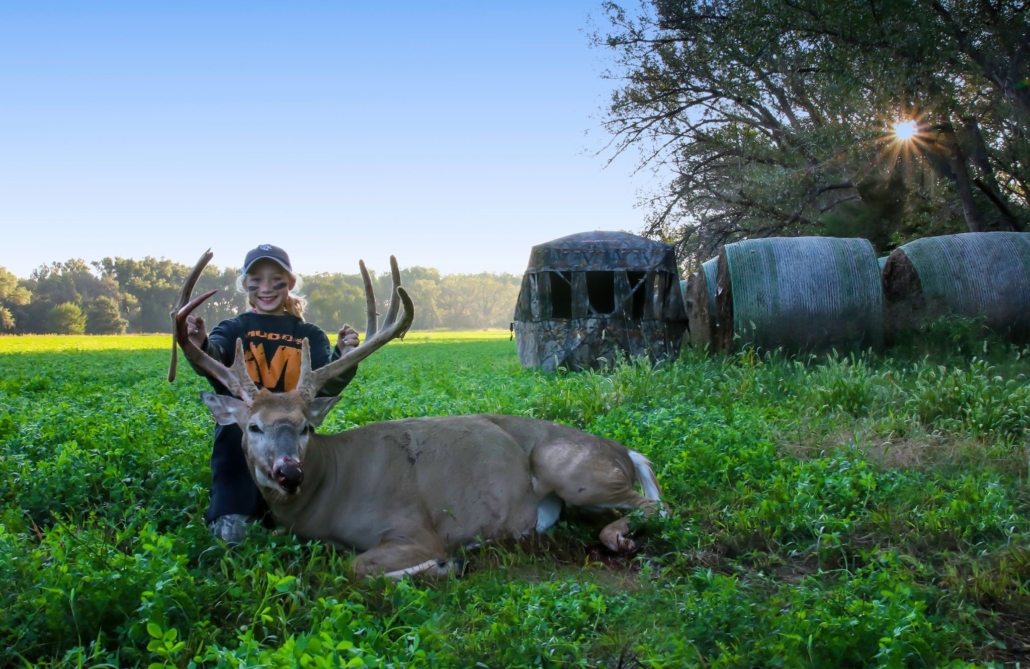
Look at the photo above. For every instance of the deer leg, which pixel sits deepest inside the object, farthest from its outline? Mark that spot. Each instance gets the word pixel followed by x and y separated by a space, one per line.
pixel 404 556
pixel 616 535
pixel 593 475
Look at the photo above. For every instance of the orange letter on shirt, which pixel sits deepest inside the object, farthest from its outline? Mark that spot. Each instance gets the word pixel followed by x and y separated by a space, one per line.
pixel 286 360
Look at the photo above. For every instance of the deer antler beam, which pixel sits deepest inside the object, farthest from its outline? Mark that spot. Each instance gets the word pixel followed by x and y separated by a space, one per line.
pixel 180 327
pixel 184 297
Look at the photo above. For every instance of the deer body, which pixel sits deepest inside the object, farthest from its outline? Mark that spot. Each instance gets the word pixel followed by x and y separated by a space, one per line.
pixel 463 477
pixel 407 492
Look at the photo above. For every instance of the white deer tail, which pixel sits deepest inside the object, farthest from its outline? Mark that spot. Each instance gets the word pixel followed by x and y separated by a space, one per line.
pixel 645 475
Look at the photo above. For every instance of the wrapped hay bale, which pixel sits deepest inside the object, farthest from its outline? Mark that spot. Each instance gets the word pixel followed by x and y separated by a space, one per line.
pixel 799 293
pixel 882 261
pixel 972 275
pixel 700 303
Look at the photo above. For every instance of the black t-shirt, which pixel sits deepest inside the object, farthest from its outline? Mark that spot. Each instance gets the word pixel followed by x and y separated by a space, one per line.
pixel 272 346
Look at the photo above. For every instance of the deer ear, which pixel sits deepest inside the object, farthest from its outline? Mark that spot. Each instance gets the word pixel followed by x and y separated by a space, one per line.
pixel 225 408
pixel 319 408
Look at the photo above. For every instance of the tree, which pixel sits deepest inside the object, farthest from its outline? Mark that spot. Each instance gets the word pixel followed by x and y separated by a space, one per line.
pixel 70 281
pixel 334 299
pixel 6 320
pixel 66 318
pixel 469 301
pixel 103 317
pixel 774 117
pixel 153 285
pixel 12 295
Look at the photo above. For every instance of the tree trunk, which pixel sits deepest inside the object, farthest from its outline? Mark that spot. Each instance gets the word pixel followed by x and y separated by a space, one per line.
pixel 959 164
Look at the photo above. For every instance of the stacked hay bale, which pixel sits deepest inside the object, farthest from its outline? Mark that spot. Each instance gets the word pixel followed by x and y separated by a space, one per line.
pixel 972 275
pixel 700 301
pixel 799 293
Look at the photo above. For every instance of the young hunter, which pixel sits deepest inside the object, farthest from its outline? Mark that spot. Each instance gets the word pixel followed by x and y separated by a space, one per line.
pixel 272 332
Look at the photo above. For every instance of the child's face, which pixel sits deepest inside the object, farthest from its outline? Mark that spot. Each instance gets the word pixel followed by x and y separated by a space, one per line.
pixel 268 285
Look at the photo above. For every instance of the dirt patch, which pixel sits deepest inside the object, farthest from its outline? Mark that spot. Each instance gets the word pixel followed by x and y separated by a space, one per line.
pixel 912 452
pixel 1011 644
pixel 918 450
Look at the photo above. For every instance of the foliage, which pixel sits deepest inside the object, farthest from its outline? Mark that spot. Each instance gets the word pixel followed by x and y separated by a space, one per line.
pixel 66 318
pixel 12 295
pixel 850 511
pixel 776 118
pixel 142 293
pixel 102 317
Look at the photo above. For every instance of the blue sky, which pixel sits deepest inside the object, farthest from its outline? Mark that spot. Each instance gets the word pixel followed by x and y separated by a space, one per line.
pixel 451 134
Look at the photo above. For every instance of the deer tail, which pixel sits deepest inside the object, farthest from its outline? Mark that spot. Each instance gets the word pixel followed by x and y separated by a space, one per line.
pixel 645 475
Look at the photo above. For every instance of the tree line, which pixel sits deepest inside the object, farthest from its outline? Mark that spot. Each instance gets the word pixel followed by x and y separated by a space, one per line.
pixel 782 117
pixel 119 295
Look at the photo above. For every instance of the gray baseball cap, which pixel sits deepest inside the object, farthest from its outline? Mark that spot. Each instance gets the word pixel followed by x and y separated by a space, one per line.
pixel 267 251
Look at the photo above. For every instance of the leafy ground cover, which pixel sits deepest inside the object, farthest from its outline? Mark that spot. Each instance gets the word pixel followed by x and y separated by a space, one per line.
pixel 864 511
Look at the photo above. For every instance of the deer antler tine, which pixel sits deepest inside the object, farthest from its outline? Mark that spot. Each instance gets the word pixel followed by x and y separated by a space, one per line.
pixel 306 376
pixel 395 274
pixel 371 324
pixel 184 297
pixel 239 370
pixel 397 328
pixel 308 386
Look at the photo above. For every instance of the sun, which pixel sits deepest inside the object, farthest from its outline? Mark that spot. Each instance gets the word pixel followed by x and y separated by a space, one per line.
pixel 905 130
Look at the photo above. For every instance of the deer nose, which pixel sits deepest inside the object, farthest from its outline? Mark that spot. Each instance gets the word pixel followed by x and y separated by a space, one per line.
pixel 288 474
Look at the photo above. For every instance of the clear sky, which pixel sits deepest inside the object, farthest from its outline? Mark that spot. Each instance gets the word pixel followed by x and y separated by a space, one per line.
pixel 451 134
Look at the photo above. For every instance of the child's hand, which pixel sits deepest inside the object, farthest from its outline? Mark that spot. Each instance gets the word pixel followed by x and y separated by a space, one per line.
pixel 195 330
pixel 347 339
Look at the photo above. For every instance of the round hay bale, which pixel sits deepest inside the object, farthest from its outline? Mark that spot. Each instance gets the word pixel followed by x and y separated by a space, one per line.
pixel 882 261
pixel 799 293
pixel 971 275
pixel 701 304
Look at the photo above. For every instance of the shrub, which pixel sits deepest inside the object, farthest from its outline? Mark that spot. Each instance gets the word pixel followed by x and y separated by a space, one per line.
pixel 66 318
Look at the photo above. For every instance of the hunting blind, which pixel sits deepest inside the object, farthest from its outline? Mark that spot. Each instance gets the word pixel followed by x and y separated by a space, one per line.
pixel 588 298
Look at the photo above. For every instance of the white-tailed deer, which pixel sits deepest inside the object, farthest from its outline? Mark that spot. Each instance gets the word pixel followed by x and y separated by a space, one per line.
pixel 407 492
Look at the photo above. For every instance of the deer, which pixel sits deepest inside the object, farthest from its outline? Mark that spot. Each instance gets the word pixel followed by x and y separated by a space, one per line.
pixel 407 494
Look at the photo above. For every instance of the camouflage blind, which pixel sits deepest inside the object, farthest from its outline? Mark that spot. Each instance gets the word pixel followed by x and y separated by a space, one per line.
pixel 590 297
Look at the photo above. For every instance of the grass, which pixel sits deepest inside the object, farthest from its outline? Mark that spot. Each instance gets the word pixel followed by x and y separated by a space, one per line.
pixel 860 511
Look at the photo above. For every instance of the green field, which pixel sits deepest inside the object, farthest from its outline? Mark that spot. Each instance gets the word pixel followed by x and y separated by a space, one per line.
pixel 834 513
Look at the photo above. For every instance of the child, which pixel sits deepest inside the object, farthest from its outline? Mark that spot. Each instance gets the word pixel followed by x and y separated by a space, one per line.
pixel 272 333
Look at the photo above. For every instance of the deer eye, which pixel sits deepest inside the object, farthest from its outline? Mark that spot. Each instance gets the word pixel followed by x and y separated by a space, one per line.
pixel 254 429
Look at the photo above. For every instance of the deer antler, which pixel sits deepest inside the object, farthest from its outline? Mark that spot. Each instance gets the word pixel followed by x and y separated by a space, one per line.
pixel 370 303
pixel 184 297
pixel 311 381
pixel 236 379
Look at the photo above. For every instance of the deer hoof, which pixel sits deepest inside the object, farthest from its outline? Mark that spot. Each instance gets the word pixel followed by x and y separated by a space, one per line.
pixel 617 542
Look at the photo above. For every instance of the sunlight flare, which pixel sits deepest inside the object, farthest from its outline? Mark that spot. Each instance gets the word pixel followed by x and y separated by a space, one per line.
pixel 905 130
